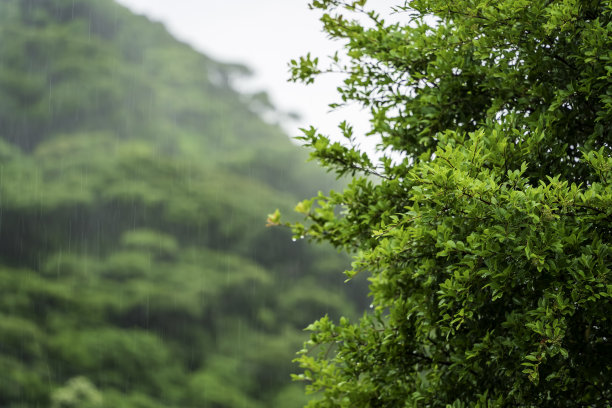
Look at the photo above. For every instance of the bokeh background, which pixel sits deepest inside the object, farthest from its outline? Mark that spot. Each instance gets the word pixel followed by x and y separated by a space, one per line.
pixel 136 173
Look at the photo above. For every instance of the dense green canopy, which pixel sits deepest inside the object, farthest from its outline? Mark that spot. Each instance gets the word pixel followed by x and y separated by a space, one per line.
pixel 135 266
pixel 486 229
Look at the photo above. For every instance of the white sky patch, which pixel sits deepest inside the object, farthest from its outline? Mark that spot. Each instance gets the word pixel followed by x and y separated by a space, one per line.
pixel 265 35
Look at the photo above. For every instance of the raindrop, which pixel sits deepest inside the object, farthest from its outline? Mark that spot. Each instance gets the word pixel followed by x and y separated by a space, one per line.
pixel 294 239
pixel 371 306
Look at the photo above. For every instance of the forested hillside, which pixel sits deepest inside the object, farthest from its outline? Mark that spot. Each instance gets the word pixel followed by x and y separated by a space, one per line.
pixel 135 266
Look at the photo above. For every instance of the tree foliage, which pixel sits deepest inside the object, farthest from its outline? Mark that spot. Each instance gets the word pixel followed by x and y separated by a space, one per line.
pixel 485 229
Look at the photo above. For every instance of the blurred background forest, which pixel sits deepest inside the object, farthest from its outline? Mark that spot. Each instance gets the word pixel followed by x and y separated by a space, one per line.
pixel 135 266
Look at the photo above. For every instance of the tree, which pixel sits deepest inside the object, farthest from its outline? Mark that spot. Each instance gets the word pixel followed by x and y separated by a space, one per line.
pixel 485 230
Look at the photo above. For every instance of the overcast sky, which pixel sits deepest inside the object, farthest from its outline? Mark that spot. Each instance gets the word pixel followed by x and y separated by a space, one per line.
pixel 264 35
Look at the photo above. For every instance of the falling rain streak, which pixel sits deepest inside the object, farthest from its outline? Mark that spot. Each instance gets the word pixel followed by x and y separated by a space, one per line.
pixel 135 264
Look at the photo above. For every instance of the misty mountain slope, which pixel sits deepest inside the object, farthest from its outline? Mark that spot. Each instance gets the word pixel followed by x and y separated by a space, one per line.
pixel 135 267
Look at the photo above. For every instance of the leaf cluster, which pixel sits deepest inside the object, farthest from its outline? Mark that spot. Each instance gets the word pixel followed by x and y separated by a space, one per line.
pixel 485 233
